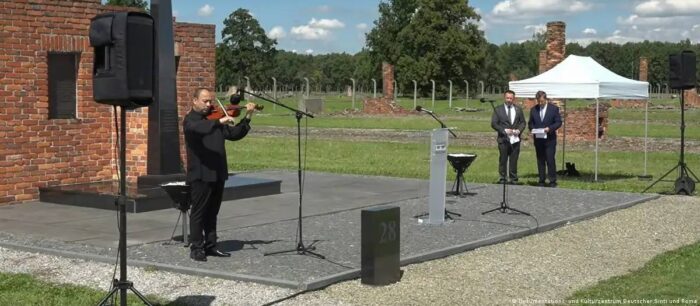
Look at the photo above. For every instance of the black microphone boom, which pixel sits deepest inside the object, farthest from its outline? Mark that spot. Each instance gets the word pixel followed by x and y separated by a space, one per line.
pixel 421 109
pixel 442 124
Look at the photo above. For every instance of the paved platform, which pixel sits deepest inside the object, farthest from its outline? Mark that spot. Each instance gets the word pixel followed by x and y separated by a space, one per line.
pixel 332 205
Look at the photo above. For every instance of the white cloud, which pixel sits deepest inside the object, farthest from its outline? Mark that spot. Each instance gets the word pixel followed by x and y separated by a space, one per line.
pixel 589 31
pixel 362 26
pixel 535 28
pixel 665 8
pixel 659 28
pixel 276 33
pixel 176 13
pixel 309 51
pixel 294 50
pixel 206 10
pixel 539 7
pixel 326 23
pixel 316 29
pixel 308 33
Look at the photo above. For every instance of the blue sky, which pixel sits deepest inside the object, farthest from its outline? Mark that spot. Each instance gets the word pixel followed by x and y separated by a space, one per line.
pixel 324 26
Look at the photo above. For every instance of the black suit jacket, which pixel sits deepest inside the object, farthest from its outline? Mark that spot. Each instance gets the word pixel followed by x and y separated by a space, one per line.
pixel 552 120
pixel 500 122
pixel 206 151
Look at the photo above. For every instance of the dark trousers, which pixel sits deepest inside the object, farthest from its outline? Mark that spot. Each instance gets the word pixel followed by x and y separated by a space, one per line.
pixel 546 166
pixel 206 201
pixel 506 151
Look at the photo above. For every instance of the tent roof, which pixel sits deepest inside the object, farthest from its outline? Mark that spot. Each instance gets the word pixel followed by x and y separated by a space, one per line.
pixel 581 77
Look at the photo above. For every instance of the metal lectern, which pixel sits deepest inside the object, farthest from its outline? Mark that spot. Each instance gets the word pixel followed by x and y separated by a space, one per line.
pixel 438 176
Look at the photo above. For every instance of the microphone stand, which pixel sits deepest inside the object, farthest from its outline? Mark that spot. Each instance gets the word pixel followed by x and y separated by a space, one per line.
pixel 504 203
pixel 442 124
pixel 300 249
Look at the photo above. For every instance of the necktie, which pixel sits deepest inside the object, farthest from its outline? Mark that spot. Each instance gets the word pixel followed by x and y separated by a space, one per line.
pixel 508 114
pixel 542 113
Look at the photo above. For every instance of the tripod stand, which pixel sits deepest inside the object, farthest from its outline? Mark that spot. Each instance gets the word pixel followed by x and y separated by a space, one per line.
pixel 300 249
pixel 683 184
pixel 122 284
pixel 504 203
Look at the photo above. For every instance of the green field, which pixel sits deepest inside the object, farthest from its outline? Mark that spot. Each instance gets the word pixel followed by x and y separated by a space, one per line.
pixel 663 123
pixel 670 276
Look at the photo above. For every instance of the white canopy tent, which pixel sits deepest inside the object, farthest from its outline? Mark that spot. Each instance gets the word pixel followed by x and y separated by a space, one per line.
pixel 581 77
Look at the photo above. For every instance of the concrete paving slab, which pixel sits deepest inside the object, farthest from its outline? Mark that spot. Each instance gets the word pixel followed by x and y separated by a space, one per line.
pixel 252 227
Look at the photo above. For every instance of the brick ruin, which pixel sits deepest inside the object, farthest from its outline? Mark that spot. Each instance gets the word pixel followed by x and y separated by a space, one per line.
pixel 643 76
pixel 556 43
pixel 691 98
pixel 579 124
pixel 387 103
pixel 39 151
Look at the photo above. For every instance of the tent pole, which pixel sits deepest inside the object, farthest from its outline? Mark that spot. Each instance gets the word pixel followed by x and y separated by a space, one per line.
pixel 563 146
pixel 597 133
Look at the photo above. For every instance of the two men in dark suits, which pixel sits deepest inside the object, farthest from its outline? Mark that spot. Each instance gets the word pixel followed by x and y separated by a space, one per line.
pixel 545 119
pixel 509 121
pixel 207 169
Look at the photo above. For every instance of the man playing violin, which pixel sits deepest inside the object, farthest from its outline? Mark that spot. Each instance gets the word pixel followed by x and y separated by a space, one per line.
pixel 207 169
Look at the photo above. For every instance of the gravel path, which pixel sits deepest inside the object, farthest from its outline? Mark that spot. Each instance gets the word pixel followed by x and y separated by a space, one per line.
pixel 549 265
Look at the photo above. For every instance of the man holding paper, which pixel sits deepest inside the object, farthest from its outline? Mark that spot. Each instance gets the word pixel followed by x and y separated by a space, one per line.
pixel 544 122
pixel 509 121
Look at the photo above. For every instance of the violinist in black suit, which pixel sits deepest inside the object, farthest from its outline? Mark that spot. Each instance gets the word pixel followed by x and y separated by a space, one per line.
pixel 207 169
pixel 509 121
pixel 545 116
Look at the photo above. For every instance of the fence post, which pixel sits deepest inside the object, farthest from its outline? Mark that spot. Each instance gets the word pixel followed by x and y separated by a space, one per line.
pixel 433 103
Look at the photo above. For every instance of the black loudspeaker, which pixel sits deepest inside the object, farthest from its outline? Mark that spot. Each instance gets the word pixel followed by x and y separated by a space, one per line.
pixel 123 68
pixel 682 70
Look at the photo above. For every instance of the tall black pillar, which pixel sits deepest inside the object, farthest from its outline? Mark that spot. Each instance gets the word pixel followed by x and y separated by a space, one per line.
pixel 163 132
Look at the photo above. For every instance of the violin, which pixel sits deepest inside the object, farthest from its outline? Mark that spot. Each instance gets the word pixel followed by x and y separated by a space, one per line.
pixel 232 110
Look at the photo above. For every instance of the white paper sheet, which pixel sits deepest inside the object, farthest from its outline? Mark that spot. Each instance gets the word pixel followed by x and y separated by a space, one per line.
pixel 539 133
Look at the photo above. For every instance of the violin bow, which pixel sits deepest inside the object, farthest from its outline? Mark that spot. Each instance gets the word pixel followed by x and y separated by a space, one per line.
pixel 223 109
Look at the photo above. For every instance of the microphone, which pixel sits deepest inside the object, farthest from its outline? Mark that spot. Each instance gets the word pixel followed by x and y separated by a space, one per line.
pixel 235 98
pixel 484 100
pixel 421 109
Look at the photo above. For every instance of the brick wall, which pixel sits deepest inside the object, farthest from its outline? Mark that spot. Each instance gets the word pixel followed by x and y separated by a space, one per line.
pixel 39 152
pixel 691 98
pixel 581 123
pixel 556 43
pixel 542 61
pixel 388 80
pixel 196 61
pixel 643 69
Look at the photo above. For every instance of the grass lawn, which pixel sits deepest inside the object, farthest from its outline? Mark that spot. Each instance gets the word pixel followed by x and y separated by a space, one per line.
pixel 671 276
pixel 23 289
pixel 663 123
pixel 618 171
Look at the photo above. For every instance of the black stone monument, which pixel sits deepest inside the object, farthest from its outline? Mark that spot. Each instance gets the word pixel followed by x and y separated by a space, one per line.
pixel 380 245
pixel 163 128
